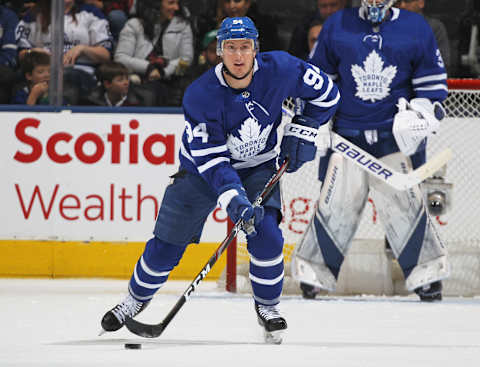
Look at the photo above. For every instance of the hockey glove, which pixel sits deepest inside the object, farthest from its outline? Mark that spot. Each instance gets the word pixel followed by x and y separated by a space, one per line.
pixel 298 142
pixel 415 121
pixel 238 207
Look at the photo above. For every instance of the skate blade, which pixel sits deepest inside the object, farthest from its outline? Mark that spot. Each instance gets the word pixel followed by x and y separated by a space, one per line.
pixel 102 332
pixel 273 337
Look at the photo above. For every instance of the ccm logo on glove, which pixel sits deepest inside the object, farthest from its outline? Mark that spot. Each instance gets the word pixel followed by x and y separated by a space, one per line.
pixel 301 132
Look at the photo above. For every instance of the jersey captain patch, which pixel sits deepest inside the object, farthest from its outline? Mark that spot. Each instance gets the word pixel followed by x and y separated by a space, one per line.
pixel 251 141
pixel 373 81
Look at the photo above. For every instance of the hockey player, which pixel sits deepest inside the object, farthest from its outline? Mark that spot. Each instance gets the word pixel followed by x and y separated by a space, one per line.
pixel 226 156
pixel 392 79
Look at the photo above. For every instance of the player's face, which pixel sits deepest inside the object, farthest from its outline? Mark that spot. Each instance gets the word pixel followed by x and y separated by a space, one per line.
pixel 328 7
pixel 236 8
pixel 40 73
pixel 169 7
pixel 238 56
pixel 119 85
pixel 412 5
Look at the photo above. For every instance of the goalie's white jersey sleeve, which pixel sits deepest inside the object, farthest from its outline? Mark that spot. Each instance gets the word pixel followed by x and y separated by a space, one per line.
pixel 229 130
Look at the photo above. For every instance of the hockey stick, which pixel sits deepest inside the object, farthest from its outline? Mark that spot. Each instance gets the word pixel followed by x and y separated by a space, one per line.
pixel 377 168
pixel 153 331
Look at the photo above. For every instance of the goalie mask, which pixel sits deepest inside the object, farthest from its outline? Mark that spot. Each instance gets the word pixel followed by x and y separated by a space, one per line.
pixel 236 28
pixel 376 10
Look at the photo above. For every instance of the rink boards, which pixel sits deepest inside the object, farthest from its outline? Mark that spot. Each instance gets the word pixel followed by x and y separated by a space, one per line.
pixel 81 190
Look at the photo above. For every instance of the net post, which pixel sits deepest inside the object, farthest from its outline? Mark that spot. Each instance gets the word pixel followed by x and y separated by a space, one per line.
pixel 231 271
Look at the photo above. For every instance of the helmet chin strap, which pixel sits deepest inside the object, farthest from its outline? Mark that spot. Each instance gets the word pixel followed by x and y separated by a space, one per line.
pixel 228 72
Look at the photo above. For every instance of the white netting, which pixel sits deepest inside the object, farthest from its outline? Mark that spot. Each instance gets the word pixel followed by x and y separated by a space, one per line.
pixel 366 268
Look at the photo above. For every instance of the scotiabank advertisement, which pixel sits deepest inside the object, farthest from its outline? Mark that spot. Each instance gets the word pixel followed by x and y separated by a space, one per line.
pixel 88 176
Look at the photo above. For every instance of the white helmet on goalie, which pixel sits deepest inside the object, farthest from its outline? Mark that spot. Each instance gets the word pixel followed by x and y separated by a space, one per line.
pixel 376 10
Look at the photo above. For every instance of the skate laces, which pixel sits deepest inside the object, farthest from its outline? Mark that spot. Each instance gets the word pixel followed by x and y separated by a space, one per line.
pixel 268 312
pixel 128 307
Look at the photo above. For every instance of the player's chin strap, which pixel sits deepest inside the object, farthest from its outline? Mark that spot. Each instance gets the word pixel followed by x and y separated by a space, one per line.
pixel 228 72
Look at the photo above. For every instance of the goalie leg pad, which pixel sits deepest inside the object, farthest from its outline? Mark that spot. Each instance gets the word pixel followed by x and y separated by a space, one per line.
pixel 320 254
pixel 409 230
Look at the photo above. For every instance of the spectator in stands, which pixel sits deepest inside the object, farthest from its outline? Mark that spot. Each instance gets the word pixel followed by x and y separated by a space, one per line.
pixel 116 11
pixel 313 32
pixel 299 41
pixel 20 7
pixel 439 29
pixel 116 90
pixel 157 44
pixel 207 59
pixel 87 42
pixel 8 52
pixel 267 26
pixel 35 67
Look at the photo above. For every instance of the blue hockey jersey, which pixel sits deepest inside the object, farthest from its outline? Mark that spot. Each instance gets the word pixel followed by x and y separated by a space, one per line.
pixel 229 130
pixel 375 66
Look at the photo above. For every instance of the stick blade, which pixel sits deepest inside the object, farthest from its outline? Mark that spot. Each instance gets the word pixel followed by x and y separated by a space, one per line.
pixel 433 164
pixel 144 330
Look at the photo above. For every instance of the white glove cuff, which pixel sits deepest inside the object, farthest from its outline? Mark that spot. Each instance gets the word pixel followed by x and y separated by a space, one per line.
pixel 225 198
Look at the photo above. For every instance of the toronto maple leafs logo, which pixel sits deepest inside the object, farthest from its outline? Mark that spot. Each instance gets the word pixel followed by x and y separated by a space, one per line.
pixel 373 81
pixel 251 141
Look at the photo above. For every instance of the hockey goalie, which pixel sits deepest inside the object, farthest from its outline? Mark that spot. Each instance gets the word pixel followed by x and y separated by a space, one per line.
pixel 392 81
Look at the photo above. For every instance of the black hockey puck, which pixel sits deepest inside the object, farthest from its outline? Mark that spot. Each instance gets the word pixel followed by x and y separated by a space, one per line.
pixel 133 346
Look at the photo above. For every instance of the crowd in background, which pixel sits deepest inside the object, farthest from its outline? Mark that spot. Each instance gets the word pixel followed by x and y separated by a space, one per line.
pixel 142 52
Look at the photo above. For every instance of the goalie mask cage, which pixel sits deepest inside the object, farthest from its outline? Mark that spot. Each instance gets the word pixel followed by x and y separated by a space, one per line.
pixel 368 268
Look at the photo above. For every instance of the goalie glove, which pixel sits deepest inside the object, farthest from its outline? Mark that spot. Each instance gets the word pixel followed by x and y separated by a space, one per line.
pixel 235 201
pixel 415 121
pixel 300 140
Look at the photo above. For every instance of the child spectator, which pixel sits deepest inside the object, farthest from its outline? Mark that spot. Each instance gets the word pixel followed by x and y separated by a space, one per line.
pixel 8 52
pixel 115 89
pixel 35 68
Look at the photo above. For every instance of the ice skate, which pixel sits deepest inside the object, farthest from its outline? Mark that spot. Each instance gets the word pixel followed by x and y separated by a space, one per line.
pixel 273 324
pixel 115 318
pixel 430 292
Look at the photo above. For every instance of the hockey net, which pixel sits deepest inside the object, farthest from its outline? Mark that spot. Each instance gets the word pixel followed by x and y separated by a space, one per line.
pixel 367 268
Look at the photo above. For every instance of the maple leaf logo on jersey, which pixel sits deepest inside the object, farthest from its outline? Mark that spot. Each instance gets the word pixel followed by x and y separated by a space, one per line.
pixel 373 81
pixel 252 140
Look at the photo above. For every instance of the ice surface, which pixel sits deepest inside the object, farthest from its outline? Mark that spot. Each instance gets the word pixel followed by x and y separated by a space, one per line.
pixel 55 323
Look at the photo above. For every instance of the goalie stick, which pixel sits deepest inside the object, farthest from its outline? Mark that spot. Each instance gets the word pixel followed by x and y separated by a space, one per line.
pixel 377 168
pixel 153 331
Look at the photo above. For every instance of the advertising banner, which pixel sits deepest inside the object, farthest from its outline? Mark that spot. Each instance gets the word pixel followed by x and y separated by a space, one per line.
pixel 88 176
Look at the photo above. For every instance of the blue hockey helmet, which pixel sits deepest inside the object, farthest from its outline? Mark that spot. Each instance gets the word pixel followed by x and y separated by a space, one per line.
pixel 236 28
pixel 376 10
